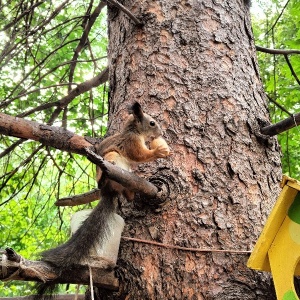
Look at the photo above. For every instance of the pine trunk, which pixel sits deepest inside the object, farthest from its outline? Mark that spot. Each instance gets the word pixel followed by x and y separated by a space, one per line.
pixel 193 66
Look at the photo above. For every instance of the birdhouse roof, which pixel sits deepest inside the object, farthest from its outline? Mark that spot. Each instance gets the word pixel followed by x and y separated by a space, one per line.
pixel 259 259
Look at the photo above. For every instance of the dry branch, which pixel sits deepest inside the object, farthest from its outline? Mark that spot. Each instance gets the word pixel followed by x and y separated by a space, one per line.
pixel 56 137
pixel 66 140
pixel 15 267
pixel 79 199
pixel 281 126
pixel 127 179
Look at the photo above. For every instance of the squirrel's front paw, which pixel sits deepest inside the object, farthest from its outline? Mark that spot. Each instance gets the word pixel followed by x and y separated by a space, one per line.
pixel 161 147
pixel 162 151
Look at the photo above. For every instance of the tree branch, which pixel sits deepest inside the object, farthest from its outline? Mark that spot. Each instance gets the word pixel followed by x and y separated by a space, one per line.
pixel 291 68
pixel 66 140
pixel 277 51
pixel 80 89
pixel 281 126
pixel 24 13
pixel 11 147
pixel 278 18
pixel 5 53
pixel 126 11
pixel 53 136
pixel 15 170
pixel 84 38
pixel 15 267
pixel 279 105
pixel 125 178
pixel 79 199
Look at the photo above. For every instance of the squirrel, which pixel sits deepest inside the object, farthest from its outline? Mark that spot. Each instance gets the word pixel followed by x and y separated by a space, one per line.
pixel 124 149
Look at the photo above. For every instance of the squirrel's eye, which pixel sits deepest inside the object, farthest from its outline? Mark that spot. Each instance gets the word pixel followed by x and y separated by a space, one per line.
pixel 152 123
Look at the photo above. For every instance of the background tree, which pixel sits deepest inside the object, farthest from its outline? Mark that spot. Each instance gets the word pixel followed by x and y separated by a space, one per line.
pixel 193 66
pixel 277 27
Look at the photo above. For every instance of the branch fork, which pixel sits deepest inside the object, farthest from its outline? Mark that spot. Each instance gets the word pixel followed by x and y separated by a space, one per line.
pixel 125 178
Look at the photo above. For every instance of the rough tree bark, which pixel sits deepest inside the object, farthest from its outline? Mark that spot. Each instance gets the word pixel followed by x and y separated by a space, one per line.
pixel 193 65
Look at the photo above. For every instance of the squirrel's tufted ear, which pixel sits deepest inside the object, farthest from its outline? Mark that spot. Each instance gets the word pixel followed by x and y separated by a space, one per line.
pixel 137 111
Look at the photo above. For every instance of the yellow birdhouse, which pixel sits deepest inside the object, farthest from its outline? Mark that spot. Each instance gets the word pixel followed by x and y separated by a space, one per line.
pixel 278 248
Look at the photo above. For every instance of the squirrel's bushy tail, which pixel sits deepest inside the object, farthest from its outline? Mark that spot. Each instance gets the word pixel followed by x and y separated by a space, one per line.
pixel 45 287
pixel 95 229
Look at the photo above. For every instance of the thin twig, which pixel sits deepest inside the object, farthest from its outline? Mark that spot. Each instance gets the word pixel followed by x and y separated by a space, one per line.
pixel 32 32
pixel 80 89
pixel 22 164
pixel 26 93
pixel 279 105
pixel 11 147
pixel 84 38
pixel 278 18
pixel 16 20
pixel 8 99
pixel 291 68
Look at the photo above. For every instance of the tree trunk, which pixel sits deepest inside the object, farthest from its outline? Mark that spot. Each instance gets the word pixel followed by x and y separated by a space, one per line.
pixel 193 67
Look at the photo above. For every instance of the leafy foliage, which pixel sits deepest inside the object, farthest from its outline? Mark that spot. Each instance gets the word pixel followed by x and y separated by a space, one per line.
pixel 47 49
pixel 279 28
